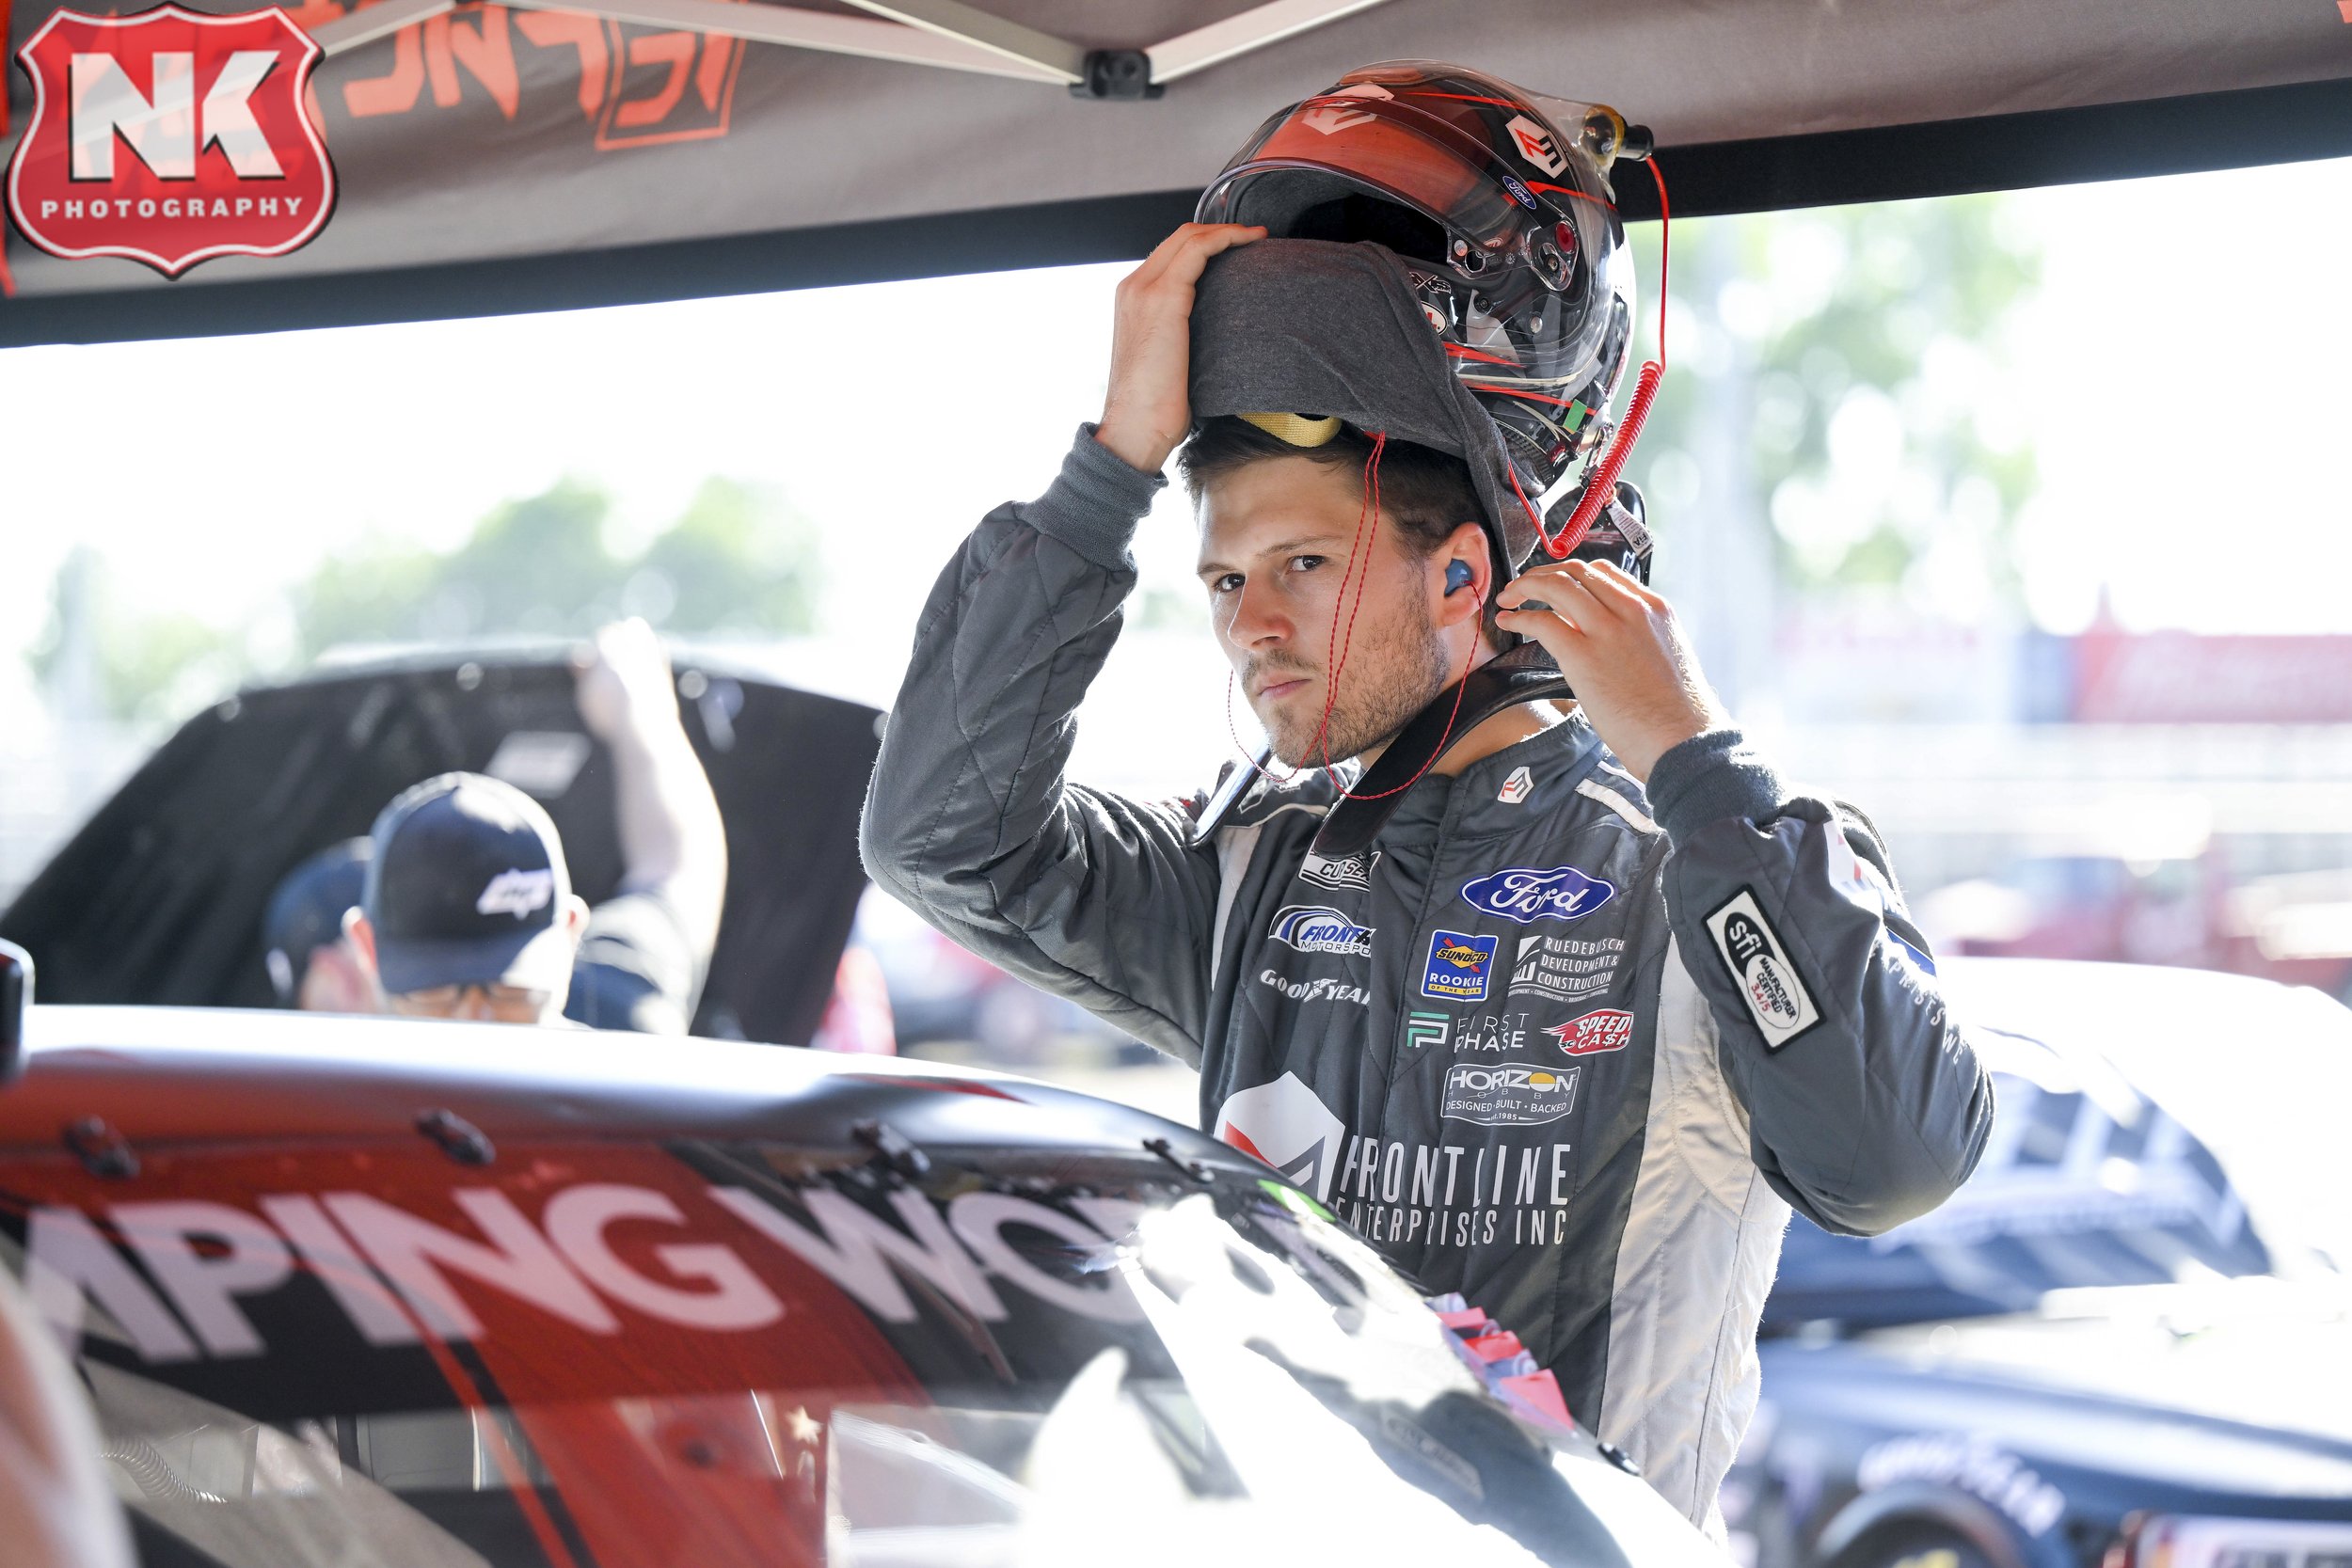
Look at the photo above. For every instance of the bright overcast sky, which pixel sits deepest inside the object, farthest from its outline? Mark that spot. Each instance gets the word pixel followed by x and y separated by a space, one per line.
pixel 2187 368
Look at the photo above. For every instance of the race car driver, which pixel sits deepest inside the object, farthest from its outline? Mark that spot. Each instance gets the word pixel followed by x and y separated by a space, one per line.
pixel 1602 997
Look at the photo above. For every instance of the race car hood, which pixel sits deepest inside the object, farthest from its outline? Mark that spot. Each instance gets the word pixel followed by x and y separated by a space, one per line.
pixel 181 1077
pixel 2074 1409
pixel 985 1286
pixel 159 897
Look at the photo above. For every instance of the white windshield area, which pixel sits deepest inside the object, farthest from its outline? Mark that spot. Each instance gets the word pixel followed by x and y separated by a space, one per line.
pixel 2257 1073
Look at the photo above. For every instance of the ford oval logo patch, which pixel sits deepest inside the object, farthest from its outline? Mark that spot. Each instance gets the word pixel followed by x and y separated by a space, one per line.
pixel 1527 896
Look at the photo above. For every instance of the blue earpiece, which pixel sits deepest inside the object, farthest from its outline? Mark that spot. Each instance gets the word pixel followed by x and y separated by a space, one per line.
pixel 1457 576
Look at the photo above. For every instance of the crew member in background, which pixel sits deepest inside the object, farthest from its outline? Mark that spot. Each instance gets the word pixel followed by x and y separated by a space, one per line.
pixel 467 910
pixel 1601 998
pixel 313 964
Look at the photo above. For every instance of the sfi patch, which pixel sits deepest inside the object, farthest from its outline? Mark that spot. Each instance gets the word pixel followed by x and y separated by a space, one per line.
pixel 1760 964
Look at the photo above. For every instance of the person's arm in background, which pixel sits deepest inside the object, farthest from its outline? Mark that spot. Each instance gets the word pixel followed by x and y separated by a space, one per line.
pixel 672 843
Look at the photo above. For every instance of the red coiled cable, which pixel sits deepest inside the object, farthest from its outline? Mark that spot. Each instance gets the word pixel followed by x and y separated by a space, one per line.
pixel 1601 480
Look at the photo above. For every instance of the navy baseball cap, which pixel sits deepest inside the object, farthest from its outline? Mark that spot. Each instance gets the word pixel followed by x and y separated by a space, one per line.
pixel 467 886
pixel 307 912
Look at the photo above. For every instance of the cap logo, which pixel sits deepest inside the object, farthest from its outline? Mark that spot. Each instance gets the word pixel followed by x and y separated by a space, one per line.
pixel 517 893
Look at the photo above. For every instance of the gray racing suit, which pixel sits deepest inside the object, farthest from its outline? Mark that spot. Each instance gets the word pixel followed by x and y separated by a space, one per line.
pixel 1568 1048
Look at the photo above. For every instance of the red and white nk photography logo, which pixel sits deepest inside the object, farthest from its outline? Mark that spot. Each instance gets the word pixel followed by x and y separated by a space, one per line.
pixel 170 137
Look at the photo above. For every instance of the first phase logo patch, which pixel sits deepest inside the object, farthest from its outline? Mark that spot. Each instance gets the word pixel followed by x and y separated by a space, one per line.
pixel 1760 964
pixel 1460 967
pixel 170 137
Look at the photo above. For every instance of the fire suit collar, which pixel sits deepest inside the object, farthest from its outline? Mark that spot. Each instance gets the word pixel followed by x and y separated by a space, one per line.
pixel 1470 805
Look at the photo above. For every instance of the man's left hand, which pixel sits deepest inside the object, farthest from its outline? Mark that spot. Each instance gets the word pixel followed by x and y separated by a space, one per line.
pixel 1621 647
pixel 624 682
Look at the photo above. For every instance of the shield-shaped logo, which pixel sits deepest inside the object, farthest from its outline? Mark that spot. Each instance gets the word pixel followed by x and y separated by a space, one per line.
pixel 170 137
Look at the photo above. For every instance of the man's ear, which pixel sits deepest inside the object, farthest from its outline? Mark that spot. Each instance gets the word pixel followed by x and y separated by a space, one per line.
pixel 1467 544
pixel 575 916
pixel 363 937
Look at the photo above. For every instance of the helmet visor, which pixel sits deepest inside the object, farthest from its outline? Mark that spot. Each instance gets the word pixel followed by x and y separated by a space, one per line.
pixel 1400 155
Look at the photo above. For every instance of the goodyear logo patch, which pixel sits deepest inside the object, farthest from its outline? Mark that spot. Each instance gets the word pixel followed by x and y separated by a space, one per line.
pixel 1461 966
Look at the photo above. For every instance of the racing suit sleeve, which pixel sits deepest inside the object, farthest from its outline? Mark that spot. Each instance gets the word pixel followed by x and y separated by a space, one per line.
pixel 1866 1105
pixel 969 820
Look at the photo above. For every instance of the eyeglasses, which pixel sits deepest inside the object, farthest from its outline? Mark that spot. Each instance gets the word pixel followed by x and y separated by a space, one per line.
pixel 491 1003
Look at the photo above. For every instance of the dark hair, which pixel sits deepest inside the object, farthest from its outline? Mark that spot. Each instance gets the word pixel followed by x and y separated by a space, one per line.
pixel 1427 493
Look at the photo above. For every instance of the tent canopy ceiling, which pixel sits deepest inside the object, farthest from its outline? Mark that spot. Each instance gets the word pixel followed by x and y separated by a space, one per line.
pixel 495 159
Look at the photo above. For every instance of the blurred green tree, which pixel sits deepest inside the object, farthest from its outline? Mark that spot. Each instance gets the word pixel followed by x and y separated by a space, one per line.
pixel 99 660
pixel 738 562
pixel 1841 377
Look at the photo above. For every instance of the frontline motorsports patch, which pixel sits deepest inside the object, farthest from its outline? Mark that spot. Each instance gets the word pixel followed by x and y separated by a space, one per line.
pixel 1768 981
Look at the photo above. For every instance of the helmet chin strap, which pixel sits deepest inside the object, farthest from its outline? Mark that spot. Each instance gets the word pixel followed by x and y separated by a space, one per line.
pixel 1524 675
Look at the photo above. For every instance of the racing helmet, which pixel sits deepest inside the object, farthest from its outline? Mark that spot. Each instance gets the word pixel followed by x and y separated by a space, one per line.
pixel 1498 200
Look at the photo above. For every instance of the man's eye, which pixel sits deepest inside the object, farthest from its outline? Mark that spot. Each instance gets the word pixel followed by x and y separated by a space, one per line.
pixel 1228 584
pixel 1306 562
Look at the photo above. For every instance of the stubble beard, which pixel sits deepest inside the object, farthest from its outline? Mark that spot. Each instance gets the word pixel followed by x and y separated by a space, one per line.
pixel 1390 678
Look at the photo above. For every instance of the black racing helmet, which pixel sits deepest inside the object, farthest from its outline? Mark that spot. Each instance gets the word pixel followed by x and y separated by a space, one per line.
pixel 1500 201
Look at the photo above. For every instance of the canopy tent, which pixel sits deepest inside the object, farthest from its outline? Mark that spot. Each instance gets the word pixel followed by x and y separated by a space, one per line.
pixel 501 158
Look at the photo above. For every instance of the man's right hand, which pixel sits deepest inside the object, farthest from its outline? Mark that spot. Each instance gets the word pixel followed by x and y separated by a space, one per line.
pixel 1148 409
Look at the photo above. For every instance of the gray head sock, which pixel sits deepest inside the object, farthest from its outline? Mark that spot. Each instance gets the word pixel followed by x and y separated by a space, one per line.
pixel 1313 327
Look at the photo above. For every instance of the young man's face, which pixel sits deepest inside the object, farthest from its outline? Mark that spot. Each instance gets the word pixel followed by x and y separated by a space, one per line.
pixel 1274 545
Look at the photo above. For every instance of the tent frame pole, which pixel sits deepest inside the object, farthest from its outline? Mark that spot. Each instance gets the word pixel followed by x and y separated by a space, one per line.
pixel 943 34
pixel 1061 59
pixel 1253 30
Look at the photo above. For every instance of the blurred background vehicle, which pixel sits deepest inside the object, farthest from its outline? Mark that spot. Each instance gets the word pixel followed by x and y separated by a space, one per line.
pixel 392 1294
pixel 950 1003
pixel 2127 1340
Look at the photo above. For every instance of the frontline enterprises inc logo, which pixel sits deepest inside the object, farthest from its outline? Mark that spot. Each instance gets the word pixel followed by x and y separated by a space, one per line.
pixel 170 137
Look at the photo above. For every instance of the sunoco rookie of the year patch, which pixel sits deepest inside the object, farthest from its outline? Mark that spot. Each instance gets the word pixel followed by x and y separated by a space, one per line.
pixel 1760 964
